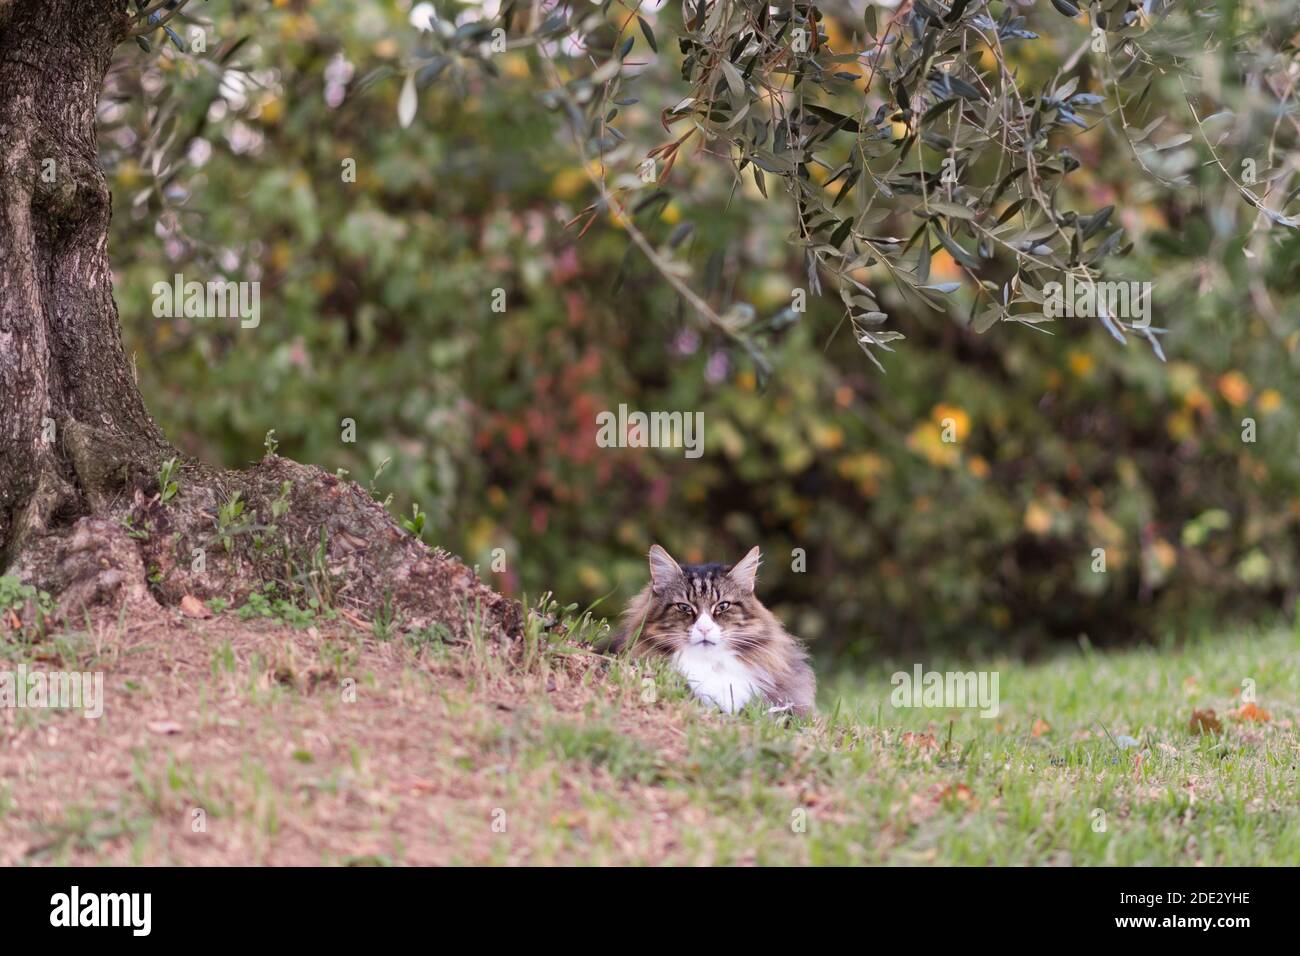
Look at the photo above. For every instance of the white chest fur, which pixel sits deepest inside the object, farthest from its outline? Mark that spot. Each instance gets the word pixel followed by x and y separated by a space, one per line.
pixel 717 676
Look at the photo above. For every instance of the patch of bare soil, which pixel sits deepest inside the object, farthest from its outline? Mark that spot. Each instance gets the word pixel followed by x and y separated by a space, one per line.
pixel 225 742
pixel 227 534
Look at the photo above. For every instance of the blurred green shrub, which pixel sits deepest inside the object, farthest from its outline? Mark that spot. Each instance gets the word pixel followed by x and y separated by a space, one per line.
pixel 377 306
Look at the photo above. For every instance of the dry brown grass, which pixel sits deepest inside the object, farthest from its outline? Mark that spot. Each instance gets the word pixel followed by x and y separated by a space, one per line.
pixel 474 753
pixel 248 723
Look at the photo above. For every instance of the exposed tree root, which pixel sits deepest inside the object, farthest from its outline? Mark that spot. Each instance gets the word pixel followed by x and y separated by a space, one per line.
pixel 40 512
pixel 91 566
pixel 81 514
pixel 227 534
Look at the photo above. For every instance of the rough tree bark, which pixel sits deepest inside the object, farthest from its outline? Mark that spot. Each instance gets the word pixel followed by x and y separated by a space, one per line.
pixel 80 515
pixel 63 374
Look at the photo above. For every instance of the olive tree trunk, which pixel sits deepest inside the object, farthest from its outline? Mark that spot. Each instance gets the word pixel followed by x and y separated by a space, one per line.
pixel 80 511
pixel 73 427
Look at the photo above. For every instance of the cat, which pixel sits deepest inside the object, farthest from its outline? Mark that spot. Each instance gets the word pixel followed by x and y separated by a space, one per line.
pixel 719 636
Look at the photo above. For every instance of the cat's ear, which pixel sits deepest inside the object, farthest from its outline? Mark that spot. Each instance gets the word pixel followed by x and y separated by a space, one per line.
pixel 663 569
pixel 746 569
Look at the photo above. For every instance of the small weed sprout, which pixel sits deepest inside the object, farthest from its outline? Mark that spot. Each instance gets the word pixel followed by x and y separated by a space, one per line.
pixel 387 621
pixel 280 506
pixel 228 520
pixel 168 486
pixel 415 523
pixel 25 604
pixel 267 603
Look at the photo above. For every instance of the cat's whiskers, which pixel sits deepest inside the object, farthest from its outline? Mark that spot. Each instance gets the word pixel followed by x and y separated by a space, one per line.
pixel 708 621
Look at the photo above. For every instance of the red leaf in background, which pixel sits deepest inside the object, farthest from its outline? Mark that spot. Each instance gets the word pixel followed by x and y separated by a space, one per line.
pixel 1251 712
pixel 517 437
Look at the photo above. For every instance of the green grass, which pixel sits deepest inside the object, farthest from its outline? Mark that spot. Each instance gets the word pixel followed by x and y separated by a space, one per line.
pixel 1119 778
pixel 1089 761
pixel 585 759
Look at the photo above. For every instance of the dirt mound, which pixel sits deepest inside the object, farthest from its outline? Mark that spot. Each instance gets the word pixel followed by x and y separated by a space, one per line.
pixel 227 534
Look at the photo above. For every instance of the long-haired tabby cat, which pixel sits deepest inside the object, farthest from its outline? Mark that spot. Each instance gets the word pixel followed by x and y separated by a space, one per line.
pixel 730 648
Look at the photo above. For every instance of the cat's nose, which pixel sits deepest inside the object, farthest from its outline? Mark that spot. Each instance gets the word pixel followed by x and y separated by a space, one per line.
pixel 708 632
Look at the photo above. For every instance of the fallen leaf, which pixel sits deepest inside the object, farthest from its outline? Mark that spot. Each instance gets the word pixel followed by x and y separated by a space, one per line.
pixel 193 607
pixel 1204 722
pixel 959 792
pixel 1040 727
pixel 1251 712
pixel 416 787
pixel 165 727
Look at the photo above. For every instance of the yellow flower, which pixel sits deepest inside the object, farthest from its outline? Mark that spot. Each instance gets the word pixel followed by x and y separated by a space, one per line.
pixel 1197 401
pixel 827 436
pixel 1037 518
pixel 516 66
pixel 128 174
pixel 1183 377
pixel 567 183
pixel 1270 400
pixel 951 417
pixel 272 110
pixel 1081 363
pixel 927 441
pixel 1166 556
pixel 281 256
pixel 1234 388
pixel 1179 425
pixel 863 465
pixel 978 467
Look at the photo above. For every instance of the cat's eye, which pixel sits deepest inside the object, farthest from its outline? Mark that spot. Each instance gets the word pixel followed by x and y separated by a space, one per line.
pixel 722 606
pixel 686 609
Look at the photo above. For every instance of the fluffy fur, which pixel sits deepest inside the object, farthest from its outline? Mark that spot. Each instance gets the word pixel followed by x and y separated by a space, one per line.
pixel 708 621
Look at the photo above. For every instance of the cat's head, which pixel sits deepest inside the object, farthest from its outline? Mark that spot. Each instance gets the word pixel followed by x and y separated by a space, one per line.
pixel 703 604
